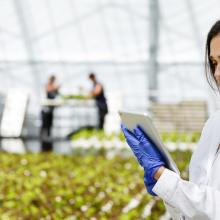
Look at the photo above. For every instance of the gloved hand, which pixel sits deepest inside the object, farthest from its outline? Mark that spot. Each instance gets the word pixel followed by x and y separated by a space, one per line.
pixel 150 186
pixel 146 153
pixel 155 159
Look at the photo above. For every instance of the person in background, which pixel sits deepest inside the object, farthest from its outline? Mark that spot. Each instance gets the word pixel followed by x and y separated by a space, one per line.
pixel 98 94
pixel 52 90
pixel 198 198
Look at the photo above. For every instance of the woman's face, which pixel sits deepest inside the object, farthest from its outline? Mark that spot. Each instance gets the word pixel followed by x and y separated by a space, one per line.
pixel 215 56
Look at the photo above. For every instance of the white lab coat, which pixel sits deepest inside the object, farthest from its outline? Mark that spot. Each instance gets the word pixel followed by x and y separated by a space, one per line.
pixel 198 198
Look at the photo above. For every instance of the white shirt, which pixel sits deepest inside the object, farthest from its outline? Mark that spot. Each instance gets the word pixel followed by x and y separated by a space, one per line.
pixel 198 198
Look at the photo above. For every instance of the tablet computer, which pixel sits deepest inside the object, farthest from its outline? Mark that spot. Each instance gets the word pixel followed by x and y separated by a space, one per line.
pixel 132 119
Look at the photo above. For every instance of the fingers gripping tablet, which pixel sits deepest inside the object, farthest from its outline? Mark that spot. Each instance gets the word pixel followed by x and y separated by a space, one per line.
pixel 133 119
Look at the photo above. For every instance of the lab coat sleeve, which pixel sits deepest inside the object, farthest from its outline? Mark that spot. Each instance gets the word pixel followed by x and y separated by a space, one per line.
pixel 174 212
pixel 193 201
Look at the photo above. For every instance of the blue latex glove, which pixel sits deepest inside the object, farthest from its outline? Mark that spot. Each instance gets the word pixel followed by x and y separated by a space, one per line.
pixel 147 155
pixel 150 186
pixel 155 160
pixel 134 143
pixel 149 148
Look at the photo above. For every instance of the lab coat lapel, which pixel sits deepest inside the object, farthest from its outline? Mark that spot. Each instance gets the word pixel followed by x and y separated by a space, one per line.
pixel 204 155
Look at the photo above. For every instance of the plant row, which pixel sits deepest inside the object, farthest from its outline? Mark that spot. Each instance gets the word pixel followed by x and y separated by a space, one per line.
pixel 190 137
pixel 50 186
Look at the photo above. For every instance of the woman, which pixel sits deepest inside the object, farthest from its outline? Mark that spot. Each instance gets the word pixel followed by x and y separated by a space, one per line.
pixel 198 198
pixel 52 90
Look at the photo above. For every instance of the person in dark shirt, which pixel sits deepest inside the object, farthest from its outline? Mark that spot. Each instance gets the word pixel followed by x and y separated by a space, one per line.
pixel 98 94
pixel 52 90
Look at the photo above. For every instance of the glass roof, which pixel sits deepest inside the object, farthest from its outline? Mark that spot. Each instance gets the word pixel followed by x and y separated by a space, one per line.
pixel 111 37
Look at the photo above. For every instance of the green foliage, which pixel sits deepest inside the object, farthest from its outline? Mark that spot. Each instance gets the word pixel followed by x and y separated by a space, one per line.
pixel 51 186
pixel 187 137
pixel 190 137
pixel 99 134
pixel 78 97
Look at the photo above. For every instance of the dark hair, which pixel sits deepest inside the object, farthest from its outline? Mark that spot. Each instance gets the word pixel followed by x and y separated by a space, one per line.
pixel 52 78
pixel 209 66
pixel 92 76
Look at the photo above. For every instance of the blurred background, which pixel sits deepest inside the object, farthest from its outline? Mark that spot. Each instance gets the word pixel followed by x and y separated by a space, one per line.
pixel 147 56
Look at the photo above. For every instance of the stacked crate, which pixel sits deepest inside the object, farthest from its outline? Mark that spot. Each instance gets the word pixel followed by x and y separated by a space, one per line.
pixel 186 116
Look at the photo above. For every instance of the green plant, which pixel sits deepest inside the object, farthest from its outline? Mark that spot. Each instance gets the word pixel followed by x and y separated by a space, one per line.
pixel 51 186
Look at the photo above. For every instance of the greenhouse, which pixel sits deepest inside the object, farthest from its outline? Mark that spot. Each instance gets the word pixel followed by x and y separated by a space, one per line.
pixel 67 69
